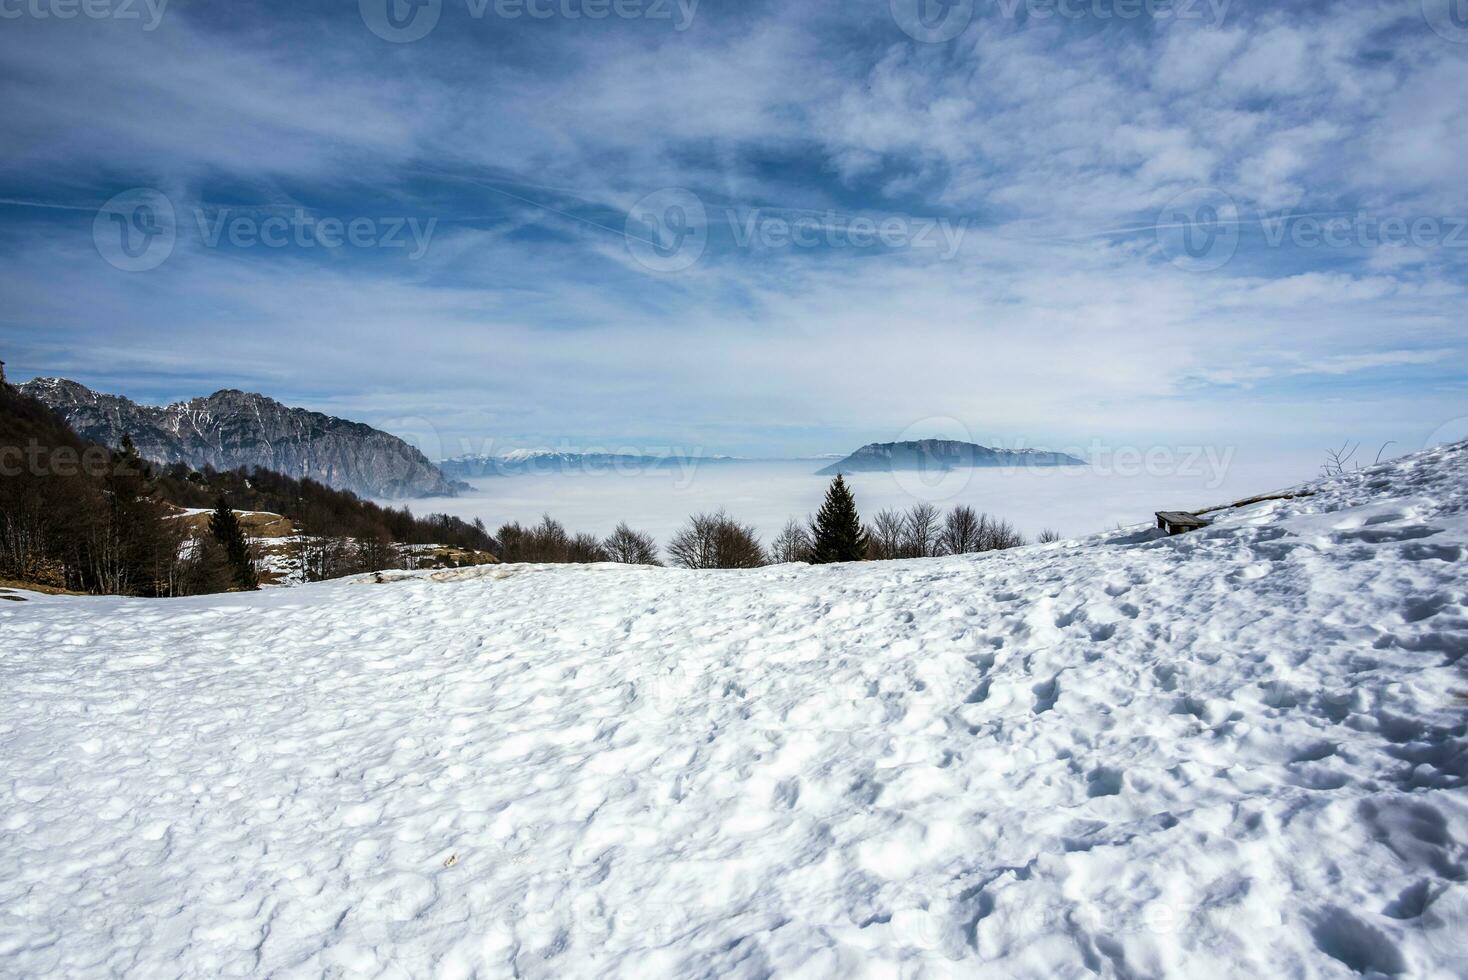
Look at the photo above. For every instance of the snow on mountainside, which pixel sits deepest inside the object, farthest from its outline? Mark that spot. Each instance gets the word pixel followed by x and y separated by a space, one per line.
pixel 231 428
pixel 1240 752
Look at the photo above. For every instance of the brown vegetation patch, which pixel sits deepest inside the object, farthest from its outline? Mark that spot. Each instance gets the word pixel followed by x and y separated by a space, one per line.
pixel 10 585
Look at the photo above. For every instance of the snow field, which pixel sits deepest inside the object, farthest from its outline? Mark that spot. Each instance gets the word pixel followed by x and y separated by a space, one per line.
pixel 1237 752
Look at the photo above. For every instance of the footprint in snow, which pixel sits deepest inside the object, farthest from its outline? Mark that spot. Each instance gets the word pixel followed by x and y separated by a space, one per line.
pixel 1046 694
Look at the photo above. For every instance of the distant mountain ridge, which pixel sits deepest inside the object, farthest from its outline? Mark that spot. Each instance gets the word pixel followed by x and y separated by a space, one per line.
pixel 941 454
pixel 526 462
pixel 233 428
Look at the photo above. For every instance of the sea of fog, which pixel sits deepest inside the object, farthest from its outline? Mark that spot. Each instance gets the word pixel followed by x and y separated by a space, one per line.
pixel 1074 500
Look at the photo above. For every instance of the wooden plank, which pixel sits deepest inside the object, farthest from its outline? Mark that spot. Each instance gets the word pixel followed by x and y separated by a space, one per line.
pixel 1279 495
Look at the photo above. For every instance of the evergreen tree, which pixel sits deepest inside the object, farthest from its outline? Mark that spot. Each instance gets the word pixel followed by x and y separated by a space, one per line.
pixel 837 530
pixel 231 537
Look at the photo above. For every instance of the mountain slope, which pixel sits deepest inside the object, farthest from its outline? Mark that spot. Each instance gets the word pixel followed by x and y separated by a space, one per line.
pixel 231 428
pixel 940 454
pixel 1236 752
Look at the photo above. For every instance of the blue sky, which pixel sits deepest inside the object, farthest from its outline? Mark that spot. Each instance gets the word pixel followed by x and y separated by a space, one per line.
pixel 752 228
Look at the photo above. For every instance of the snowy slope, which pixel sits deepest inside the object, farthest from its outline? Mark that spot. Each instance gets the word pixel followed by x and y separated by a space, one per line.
pixel 1239 752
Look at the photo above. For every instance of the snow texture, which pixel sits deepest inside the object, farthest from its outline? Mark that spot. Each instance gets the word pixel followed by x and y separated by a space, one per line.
pixel 1238 752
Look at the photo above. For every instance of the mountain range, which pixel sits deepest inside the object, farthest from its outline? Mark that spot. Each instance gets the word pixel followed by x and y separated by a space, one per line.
pixel 539 462
pixel 230 428
pixel 941 454
pixel 923 454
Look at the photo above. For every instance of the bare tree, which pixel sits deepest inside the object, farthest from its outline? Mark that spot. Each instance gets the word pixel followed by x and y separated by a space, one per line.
pixel 322 557
pixel 961 531
pixel 631 547
pixel 549 542
pixel 920 531
pixel 22 541
pixel 1048 536
pixel 376 552
pixel 510 542
pixel 585 549
pixel 885 536
pixel 716 541
pixel 997 535
pixel 545 542
pixel 793 543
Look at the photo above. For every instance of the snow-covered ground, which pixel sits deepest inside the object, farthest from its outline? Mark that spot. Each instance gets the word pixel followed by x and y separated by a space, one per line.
pixel 1240 752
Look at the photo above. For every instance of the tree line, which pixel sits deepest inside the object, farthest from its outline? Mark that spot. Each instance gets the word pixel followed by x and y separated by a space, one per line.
pixel 87 518
pixel 717 540
pixel 80 516
pixel 325 510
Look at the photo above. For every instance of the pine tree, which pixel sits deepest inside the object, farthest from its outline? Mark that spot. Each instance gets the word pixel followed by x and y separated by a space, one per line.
pixel 838 532
pixel 231 536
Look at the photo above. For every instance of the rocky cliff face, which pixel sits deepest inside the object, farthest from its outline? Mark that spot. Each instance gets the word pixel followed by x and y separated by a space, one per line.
pixel 231 428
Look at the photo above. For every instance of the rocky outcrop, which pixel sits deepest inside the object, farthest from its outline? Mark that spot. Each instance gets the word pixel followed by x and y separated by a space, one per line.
pixel 229 429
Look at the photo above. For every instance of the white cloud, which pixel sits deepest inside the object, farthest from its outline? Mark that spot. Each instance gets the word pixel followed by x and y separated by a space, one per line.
pixel 1276 62
pixel 1045 136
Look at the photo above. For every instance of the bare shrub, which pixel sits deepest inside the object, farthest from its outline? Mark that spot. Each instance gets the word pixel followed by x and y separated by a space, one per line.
pixel 1048 536
pixel 23 541
pixel 509 542
pixel 545 542
pixel 793 543
pixel 716 541
pixel 630 547
pixel 376 552
pixel 549 541
pixel 962 531
pixel 920 532
pixel 1337 460
pixel 997 535
pixel 586 549
pixel 324 557
pixel 885 536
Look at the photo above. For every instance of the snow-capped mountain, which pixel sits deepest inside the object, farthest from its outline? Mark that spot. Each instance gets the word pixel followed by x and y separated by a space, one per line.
pixel 1236 752
pixel 942 454
pixel 232 428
